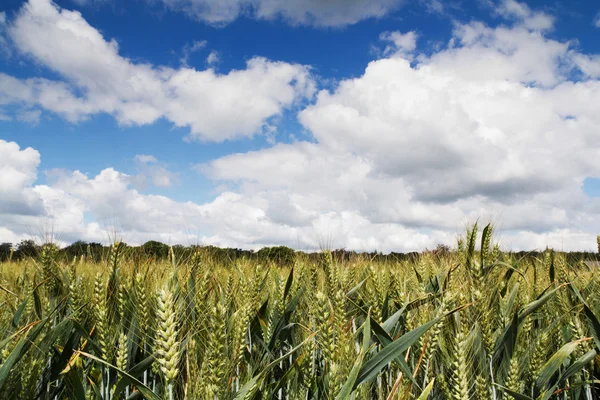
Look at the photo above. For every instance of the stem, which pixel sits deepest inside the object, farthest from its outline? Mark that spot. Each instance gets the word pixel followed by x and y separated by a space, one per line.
pixel 108 384
pixel 145 371
pixel 492 379
pixel 102 382
pixel 280 394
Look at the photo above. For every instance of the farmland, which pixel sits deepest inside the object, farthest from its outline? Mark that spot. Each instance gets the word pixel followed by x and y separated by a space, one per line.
pixel 473 323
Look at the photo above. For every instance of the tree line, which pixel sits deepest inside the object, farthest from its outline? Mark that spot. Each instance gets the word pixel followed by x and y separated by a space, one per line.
pixel 283 255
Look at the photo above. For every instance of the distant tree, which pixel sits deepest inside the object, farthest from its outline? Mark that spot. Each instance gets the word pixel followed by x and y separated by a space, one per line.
pixel 26 248
pixel 341 255
pixel 77 249
pixel 442 250
pixel 281 255
pixel 5 251
pixel 94 251
pixel 155 249
pixel 181 252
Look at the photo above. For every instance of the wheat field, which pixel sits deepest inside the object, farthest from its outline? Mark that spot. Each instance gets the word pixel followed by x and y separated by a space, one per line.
pixel 474 323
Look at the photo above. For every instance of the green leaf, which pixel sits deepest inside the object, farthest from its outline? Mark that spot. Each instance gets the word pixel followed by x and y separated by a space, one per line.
pixel 372 367
pixel 551 271
pixel 554 363
pixel 74 380
pixel 505 343
pixel 348 386
pixel 534 305
pixel 578 365
pixel 594 324
pixel 83 333
pixel 288 284
pixel 384 339
pixel 146 391
pixel 511 300
pixel 512 393
pixel 471 238
pixel 20 349
pixel 356 288
pixel 247 391
pixel 142 366
pixel 427 390
pixel 486 232
pixel 37 302
pixel 18 313
pixel 389 324
pixel 59 363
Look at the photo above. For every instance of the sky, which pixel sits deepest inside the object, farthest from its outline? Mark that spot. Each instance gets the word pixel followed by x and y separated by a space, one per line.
pixel 370 125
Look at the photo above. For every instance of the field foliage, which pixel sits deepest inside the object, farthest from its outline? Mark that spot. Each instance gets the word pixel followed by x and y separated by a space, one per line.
pixel 472 323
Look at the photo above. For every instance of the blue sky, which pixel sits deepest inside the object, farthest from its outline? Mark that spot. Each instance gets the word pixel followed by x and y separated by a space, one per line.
pixel 385 125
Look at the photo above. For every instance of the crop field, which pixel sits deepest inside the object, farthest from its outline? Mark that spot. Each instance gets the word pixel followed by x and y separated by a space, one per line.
pixel 472 323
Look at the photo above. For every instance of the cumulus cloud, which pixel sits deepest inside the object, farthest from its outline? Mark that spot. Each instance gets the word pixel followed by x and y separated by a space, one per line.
pixel 493 126
pixel 150 169
pixel 434 6
pixel 331 13
pixel 29 116
pixel 99 80
pixel 231 219
pixel 4 46
pixel 402 44
pixel 18 168
pixel 347 206
pixel 520 11
pixel 145 159
pixel 213 58
pixel 191 48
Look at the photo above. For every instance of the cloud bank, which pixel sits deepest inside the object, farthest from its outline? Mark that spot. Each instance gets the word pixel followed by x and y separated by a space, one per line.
pixel 331 13
pixel 97 79
pixel 500 123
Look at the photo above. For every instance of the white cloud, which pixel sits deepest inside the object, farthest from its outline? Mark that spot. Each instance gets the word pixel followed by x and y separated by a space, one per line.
pixel 18 168
pixel 198 45
pixel 138 93
pixel 401 158
pixel 29 116
pixel 479 52
pixel 232 219
pixel 301 195
pixel 190 49
pixel 597 20
pixel 213 58
pixel 145 159
pixel 403 44
pixel 492 127
pixel 434 6
pixel 51 95
pixel 150 169
pixel 335 13
pixel 4 46
pixel 513 9
pixel 588 64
